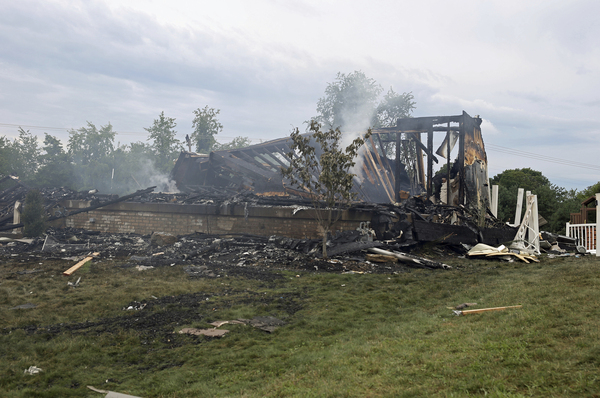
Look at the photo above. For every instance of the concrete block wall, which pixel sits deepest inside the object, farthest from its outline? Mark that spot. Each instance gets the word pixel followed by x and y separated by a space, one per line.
pixel 180 219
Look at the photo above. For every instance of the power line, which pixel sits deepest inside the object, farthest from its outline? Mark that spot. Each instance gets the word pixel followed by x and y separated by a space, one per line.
pixel 543 158
pixel 492 147
pixel 145 133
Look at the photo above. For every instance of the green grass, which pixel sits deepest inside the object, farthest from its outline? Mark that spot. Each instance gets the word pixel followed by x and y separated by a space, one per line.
pixel 376 336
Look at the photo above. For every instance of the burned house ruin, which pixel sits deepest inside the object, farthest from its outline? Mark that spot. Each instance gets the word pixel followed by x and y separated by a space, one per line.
pixel 400 200
pixel 396 162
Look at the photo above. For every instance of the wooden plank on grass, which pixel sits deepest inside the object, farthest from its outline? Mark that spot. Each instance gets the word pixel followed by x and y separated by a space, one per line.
pixel 466 312
pixel 79 264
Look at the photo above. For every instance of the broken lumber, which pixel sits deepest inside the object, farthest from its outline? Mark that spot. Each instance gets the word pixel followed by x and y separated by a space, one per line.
pixel 80 264
pixel 409 258
pixel 480 310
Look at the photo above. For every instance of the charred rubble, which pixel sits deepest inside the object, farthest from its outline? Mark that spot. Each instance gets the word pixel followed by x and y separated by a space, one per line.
pixel 404 227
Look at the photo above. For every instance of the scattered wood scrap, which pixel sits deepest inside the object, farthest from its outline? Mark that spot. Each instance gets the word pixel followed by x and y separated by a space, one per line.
pixel 381 258
pixel 409 258
pixel 480 310
pixel 204 332
pixel 80 264
pixel 483 250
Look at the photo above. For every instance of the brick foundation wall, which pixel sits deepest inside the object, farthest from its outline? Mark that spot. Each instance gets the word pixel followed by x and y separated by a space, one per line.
pixel 181 219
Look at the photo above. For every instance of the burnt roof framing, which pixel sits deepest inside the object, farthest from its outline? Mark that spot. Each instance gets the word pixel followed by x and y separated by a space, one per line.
pixel 257 167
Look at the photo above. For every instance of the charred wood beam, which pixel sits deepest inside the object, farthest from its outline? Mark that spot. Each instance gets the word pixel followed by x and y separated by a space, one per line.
pixel 397 181
pixel 270 160
pixel 242 166
pixel 428 152
pixel 246 157
pixel 423 123
pixel 387 161
pixel 448 193
pixel 419 160
pixel 372 161
pixel 387 182
pixel 461 162
pixel 429 162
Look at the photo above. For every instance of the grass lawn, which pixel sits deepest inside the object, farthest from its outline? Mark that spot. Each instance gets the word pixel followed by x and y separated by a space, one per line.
pixel 346 335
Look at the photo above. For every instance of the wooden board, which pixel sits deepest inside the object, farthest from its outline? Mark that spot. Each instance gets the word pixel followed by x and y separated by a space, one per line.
pixel 79 264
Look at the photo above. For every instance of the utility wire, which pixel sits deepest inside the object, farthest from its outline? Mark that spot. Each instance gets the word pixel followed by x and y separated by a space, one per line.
pixel 492 147
pixel 145 133
pixel 544 158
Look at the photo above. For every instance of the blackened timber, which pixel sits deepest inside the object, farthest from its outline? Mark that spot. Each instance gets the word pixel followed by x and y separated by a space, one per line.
pixel 243 156
pixel 242 166
pixel 448 196
pixel 398 168
pixel 419 160
pixel 443 233
pixel 429 161
pixel 352 247
pixel 461 163
pixel 382 183
pixel 424 148
pixel 387 182
pixel 270 156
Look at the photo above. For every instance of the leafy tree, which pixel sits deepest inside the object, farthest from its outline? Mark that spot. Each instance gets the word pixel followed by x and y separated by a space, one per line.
pixel 5 155
pixel 92 151
pixel 88 144
pixel 55 165
pixel 394 106
pixel 236 143
pixel 34 215
pixel 349 102
pixel 549 195
pixel 24 155
pixel 320 165
pixel 165 146
pixel 206 126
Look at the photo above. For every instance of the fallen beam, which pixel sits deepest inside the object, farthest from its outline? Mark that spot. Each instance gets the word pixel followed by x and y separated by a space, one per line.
pixel 80 264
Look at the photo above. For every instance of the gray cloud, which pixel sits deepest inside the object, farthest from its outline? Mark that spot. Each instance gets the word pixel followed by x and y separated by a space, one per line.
pixel 530 71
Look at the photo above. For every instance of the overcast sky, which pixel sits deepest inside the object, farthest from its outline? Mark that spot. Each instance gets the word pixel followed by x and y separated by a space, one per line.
pixel 530 69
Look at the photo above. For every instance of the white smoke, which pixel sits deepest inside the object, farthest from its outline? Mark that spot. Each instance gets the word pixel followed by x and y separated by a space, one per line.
pixel 356 124
pixel 148 176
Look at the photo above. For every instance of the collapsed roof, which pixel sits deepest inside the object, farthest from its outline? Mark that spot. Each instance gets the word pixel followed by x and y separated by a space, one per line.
pixel 396 162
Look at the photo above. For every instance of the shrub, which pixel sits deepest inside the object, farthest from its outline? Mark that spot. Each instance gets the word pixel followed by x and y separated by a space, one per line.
pixel 34 216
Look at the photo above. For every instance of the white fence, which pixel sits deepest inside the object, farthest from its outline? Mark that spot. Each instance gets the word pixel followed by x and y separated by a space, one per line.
pixel 585 235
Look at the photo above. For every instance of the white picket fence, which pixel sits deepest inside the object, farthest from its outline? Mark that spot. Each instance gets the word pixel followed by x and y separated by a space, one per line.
pixel 585 235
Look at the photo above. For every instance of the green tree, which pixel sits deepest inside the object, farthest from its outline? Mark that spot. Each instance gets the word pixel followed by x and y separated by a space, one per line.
pixel 34 215
pixel 55 165
pixel 90 144
pixel 5 156
pixel 165 146
pixel 349 102
pixel 509 181
pixel 320 165
pixel 91 150
pixel 392 107
pixel 24 156
pixel 236 143
pixel 206 126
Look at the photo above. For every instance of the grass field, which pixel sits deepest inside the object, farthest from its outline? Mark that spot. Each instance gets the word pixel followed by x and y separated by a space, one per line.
pixel 346 335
